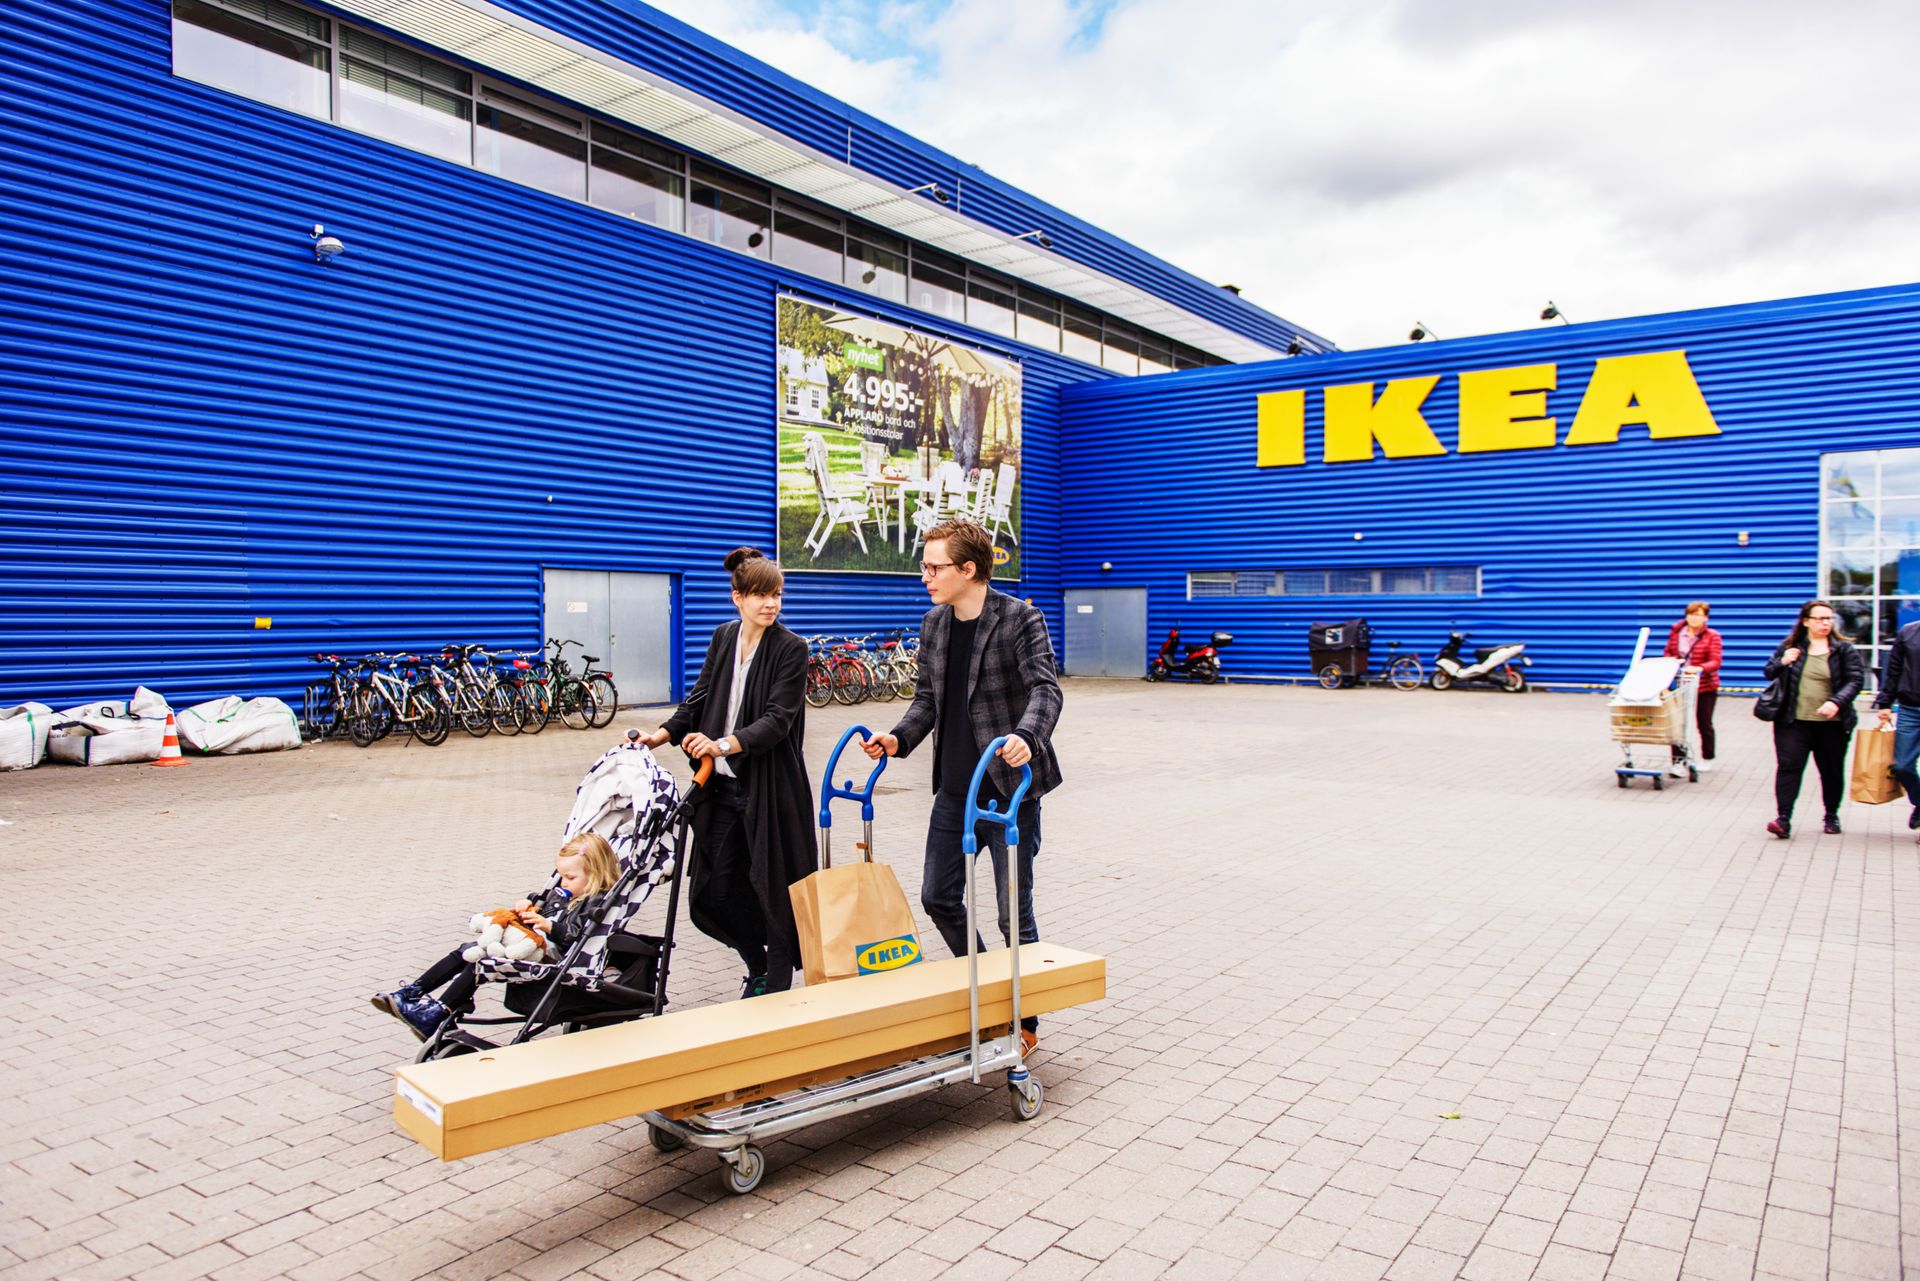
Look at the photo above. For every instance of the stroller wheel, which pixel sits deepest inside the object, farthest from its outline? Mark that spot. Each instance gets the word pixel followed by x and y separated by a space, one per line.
pixel 665 1140
pixel 446 1047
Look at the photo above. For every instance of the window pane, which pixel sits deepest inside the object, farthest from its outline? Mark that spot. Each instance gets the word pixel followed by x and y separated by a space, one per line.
pixel 1255 582
pixel 1121 351
pixel 881 272
pixel 522 151
pixel 1847 476
pixel 1896 613
pixel 939 292
pixel 248 58
pixel 1854 620
pixel 415 66
pixel 989 308
pixel 1211 584
pixel 1304 582
pixel 1349 582
pixel 637 190
pixel 1457 580
pixel 410 112
pixel 1080 334
pixel 1900 522
pixel 1404 582
pixel 805 245
pixel 728 212
pixel 1900 572
pixel 1849 571
pixel 1038 321
pixel 1155 356
pixel 1899 473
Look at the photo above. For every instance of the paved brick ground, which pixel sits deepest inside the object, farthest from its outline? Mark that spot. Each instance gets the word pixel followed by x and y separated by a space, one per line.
pixel 1401 986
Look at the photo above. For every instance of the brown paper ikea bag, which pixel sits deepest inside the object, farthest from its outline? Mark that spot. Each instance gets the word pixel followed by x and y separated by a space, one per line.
pixel 853 920
pixel 1873 781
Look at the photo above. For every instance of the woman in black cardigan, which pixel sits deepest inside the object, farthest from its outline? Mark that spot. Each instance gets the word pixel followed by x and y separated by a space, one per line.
pixel 754 836
pixel 1820 675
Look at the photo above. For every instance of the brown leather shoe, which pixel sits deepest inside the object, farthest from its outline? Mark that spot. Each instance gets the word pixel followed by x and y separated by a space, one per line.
pixel 1028 1041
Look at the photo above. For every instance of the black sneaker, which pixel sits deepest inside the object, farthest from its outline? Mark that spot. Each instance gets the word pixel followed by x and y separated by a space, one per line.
pixel 755 985
pixel 1780 827
pixel 1913 820
pixel 1832 825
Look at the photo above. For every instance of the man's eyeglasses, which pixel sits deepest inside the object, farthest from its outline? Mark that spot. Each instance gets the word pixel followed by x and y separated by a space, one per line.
pixel 932 568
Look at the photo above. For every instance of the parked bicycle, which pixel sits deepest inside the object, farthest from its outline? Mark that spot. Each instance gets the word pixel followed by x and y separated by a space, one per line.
pixel 394 694
pixel 574 697
pixel 323 708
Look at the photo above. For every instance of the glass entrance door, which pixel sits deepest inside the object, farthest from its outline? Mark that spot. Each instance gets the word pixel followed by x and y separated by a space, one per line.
pixel 1870 543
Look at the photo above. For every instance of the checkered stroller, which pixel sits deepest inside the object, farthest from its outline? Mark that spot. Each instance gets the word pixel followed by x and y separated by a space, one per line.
pixel 609 974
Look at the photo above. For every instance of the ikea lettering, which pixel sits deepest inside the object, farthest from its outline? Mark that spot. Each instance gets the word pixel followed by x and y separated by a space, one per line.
pixel 1500 409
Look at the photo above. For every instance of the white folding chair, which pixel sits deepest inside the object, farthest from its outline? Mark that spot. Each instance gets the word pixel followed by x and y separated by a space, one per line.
pixel 996 503
pixel 928 513
pixel 836 505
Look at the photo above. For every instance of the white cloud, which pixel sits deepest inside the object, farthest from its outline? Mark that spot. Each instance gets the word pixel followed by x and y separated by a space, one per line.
pixel 1355 166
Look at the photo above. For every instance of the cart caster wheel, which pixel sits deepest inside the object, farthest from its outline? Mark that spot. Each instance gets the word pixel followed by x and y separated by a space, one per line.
pixel 744 1176
pixel 1620 779
pixel 1659 783
pixel 1027 1098
pixel 665 1140
pixel 1693 775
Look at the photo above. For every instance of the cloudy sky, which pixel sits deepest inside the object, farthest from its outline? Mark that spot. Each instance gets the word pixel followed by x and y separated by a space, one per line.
pixel 1356 166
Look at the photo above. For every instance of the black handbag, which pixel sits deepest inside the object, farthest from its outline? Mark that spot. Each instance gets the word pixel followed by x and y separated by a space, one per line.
pixel 1772 698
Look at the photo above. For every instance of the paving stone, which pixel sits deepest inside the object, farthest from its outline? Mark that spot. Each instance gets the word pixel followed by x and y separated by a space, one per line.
pixel 1669 1041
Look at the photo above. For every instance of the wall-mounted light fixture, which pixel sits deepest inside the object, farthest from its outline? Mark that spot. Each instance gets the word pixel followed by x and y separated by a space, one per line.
pixel 1357 536
pixel 1294 348
pixel 1040 238
pixel 1420 331
pixel 325 247
pixel 932 191
pixel 1552 312
pixel 1106 567
pixel 1741 538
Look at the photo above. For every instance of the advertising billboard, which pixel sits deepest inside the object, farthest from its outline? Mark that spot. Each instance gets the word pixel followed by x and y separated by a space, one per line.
pixel 886 432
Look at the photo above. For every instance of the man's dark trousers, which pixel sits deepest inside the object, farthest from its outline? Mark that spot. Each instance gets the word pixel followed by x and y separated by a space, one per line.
pixel 943 880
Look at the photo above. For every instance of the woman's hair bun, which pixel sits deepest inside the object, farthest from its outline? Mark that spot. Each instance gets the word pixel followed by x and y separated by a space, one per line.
pixel 740 556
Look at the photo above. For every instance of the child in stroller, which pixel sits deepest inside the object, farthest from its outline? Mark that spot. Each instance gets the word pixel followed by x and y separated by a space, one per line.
pixel 583 871
pixel 596 971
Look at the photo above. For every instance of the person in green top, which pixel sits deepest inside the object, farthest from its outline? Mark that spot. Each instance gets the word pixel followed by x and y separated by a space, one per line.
pixel 1820 674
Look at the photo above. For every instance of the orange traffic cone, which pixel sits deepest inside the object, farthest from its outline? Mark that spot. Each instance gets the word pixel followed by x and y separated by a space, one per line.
pixel 170 746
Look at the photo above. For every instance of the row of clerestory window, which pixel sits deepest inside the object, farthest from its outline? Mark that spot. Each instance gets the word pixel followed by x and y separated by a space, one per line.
pixel 291 57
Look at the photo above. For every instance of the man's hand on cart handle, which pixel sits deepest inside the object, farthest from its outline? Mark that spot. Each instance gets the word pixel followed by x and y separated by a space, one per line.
pixel 881 745
pixel 1015 751
pixel 1886 716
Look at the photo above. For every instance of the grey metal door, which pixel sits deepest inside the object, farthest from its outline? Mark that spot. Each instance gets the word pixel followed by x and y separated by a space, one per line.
pixel 1107 632
pixel 641 607
pixel 623 619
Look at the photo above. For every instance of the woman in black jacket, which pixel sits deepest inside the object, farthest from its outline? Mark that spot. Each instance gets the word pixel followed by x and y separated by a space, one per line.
pixel 754 836
pixel 1820 675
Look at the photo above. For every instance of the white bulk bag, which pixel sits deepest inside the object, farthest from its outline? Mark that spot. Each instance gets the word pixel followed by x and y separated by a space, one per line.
pixel 23 735
pixel 230 725
pixel 105 733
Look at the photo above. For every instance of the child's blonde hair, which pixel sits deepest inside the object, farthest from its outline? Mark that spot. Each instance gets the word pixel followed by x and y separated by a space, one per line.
pixel 602 868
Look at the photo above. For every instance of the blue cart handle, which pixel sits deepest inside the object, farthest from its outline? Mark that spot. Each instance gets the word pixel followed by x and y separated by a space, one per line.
pixel 846 790
pixel 992 814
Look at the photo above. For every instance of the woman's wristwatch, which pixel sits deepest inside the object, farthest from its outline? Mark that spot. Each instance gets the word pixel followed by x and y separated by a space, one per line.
pixel 725 744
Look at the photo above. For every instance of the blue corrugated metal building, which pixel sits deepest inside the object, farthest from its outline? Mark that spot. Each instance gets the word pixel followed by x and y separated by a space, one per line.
pixel 550 346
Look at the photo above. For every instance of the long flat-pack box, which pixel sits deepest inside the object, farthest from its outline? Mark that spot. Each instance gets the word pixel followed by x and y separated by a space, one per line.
pixel 1648 722
pixel 691 1060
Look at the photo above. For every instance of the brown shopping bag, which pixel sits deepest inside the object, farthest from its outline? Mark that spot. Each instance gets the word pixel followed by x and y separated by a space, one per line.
pixel 1873 781
pixel 853 920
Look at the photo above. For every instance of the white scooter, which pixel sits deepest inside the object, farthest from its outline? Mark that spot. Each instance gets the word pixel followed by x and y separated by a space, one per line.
pixel 1496 665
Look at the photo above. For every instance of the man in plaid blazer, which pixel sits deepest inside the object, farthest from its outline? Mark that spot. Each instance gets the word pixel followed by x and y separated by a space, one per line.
pixel 986 670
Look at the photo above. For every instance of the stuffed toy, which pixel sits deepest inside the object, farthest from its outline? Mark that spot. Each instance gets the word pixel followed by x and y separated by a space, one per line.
pixel 503 935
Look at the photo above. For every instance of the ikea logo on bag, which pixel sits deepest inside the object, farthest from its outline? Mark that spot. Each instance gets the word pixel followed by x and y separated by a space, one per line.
pixel 887 954
pixel 1500 409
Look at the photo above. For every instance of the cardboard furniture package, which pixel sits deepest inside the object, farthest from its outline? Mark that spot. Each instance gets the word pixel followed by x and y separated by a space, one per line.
pixel 698 1060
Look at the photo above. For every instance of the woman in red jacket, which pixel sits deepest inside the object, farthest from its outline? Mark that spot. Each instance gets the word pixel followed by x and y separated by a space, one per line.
pixel 1697 645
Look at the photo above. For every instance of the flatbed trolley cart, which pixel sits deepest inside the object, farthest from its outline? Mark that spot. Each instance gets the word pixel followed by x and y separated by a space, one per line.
pixel 736 1132
pixel 1649 710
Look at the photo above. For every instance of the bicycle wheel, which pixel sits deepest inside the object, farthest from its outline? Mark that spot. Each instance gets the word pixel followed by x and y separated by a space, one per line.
pixel 880 683
pixel 363 721
pixel 469 712
pixel 906 674
pixel 819 686
pixel 606 699
pixel 849 683
pixel 427 716
pixel 507 715
pixel 533 696
pixel 1406 673
pixel 1331 677
pixel 575 704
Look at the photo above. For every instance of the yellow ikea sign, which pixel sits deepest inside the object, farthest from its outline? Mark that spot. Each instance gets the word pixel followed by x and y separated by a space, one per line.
pixel 1500 409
